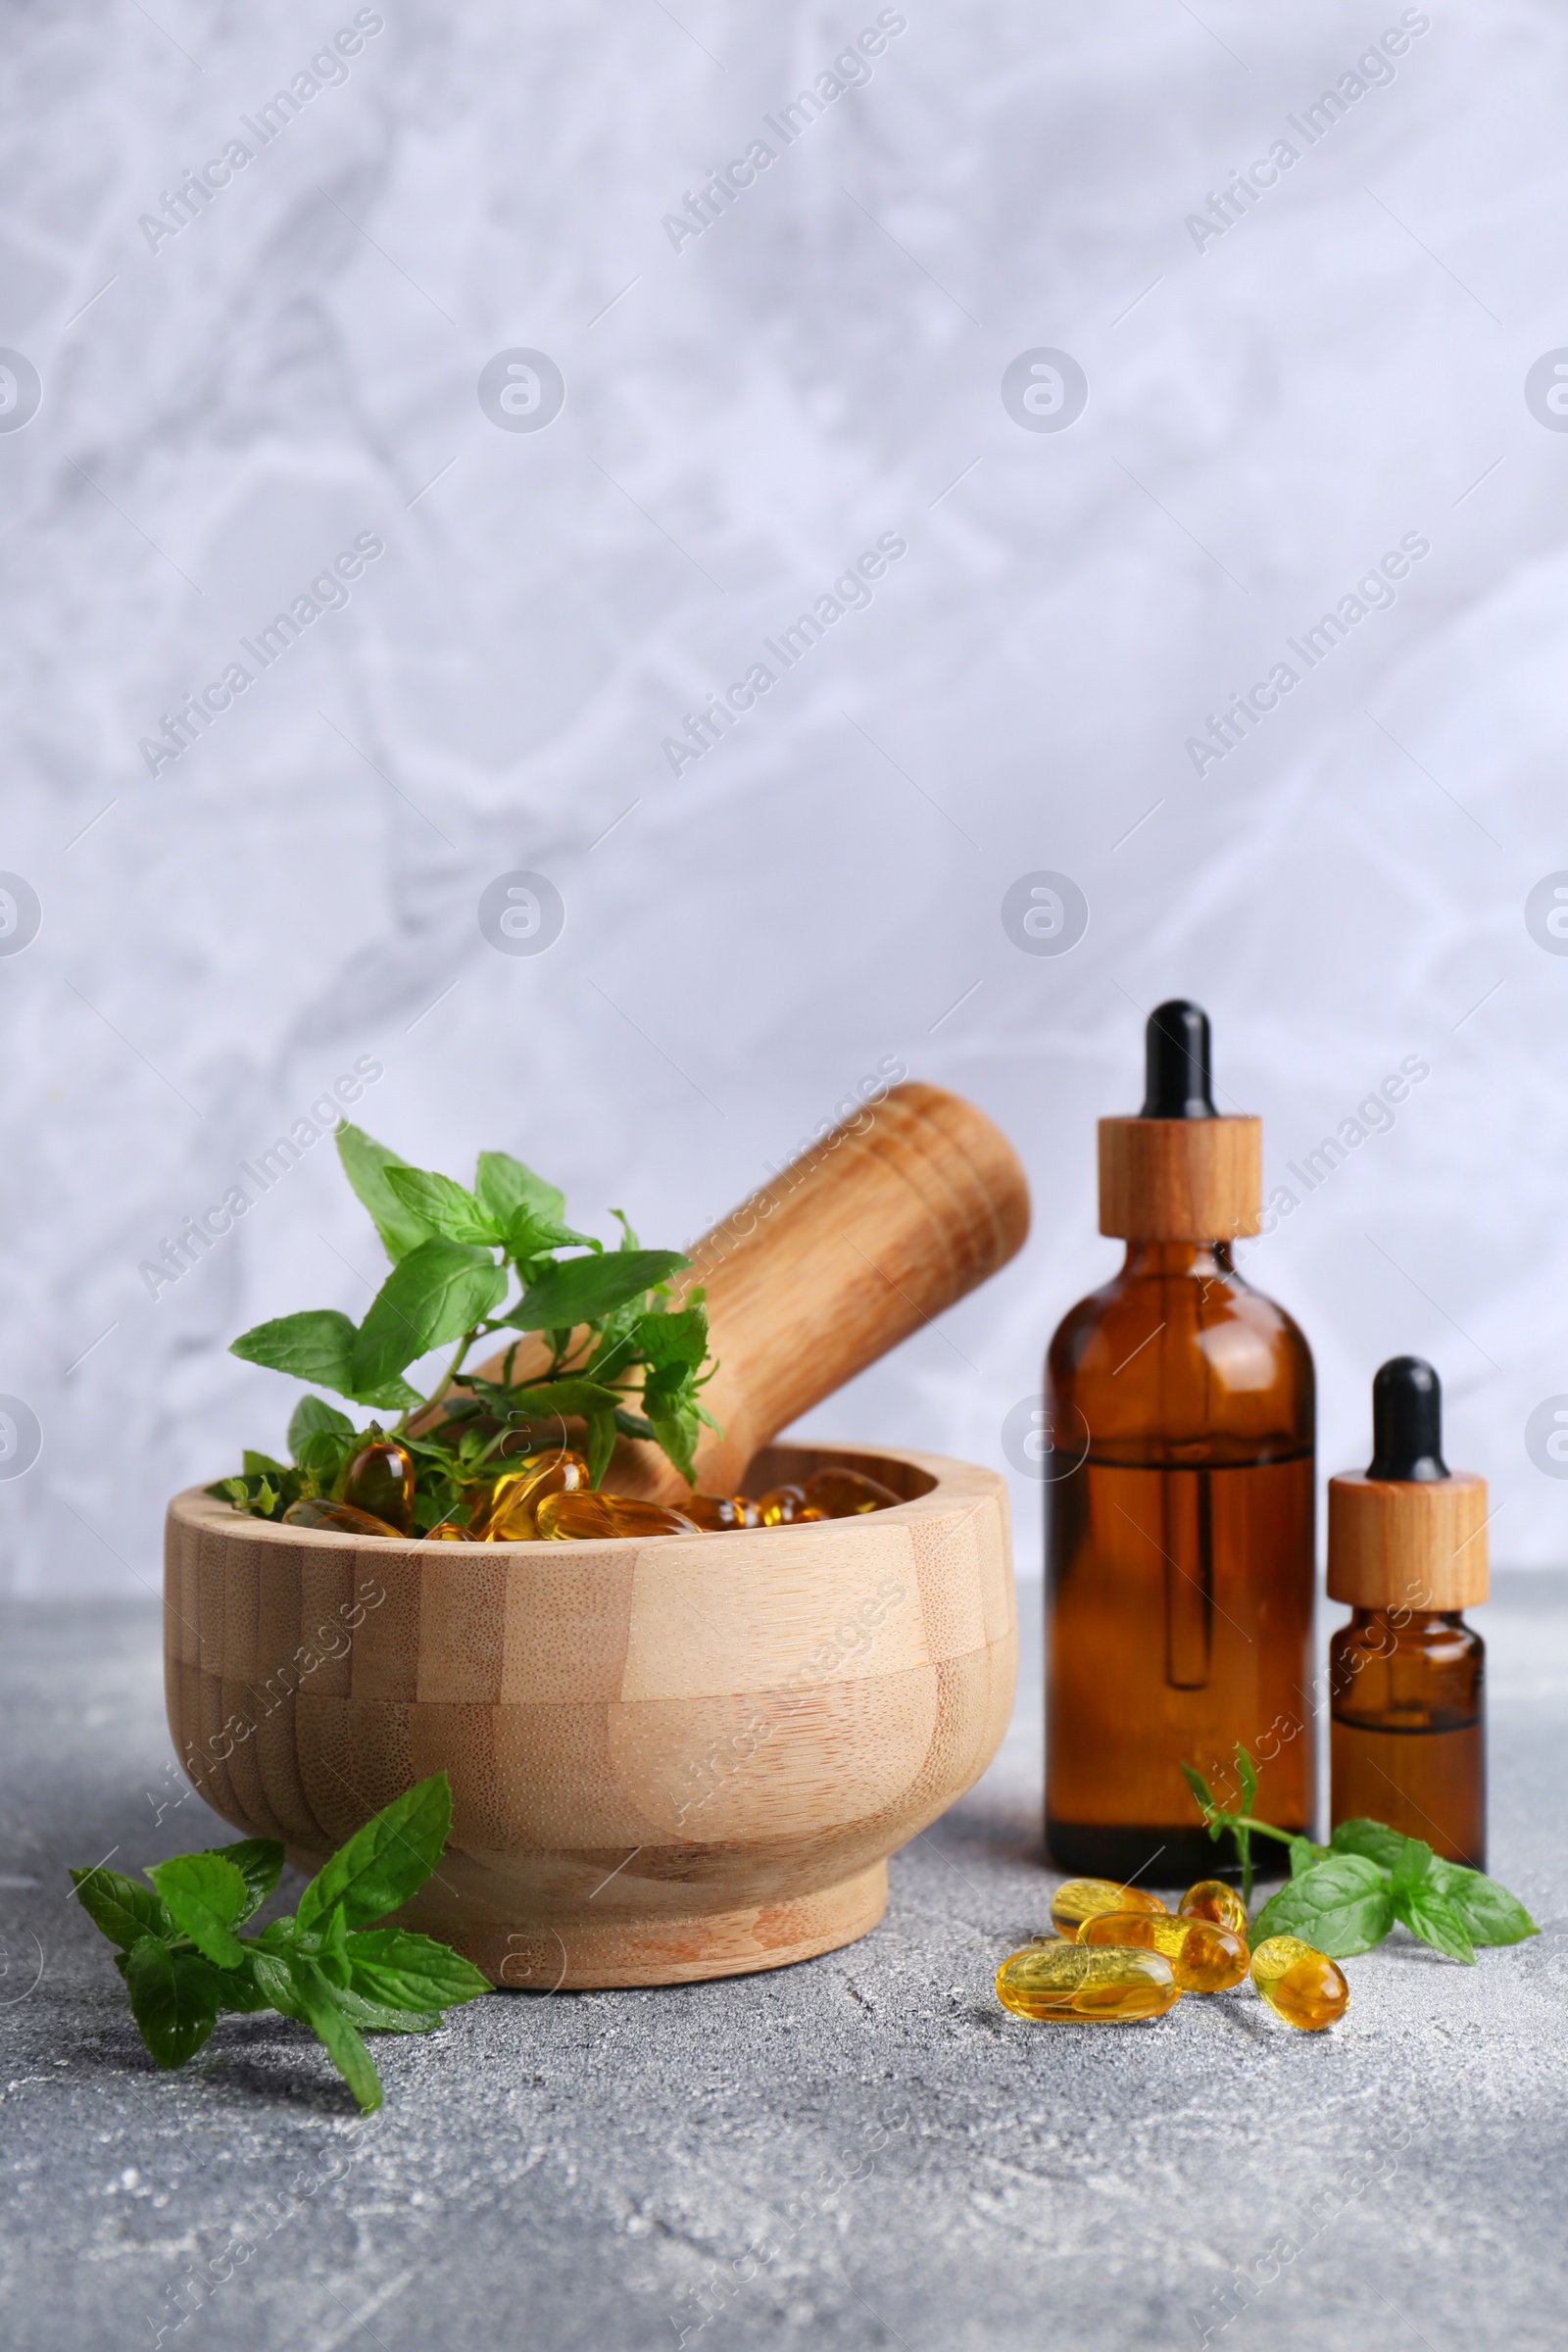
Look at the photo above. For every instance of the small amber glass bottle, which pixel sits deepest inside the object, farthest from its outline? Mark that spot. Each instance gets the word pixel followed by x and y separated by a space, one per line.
pixel 1407 1550
pixel 1179 1404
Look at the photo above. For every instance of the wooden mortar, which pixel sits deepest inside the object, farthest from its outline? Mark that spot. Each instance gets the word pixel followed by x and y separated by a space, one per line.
pixel 671 1759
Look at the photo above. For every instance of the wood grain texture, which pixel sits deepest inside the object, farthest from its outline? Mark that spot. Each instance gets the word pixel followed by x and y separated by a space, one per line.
pixel 1181 1180
pixel 1407 1544
pixel 669 1759
pixel 896 1215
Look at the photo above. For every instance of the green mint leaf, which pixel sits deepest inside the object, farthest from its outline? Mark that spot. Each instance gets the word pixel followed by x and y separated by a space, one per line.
pixel 386 1861
pixel 204 1895
pixel 1303 1853
pixel 433 1295
pixel 673 1339
pixel 1247 1774
pixel 389 1396
pixel 443 1205
pixel 259 1861
pixel 239 1990
pixel 1203 1793
pixel 1487 1912
pixel 582 1290
pixel 1338 1906
pixel 628 1239
pixel 332 2028
pixel 365 1163
pixel 528 1234
pixel 1410 1868
pixel 669 1405
pixel 405 1971
pixel 599 1445
pixel 503 1186
pixel 272 1975
pixel 376 2017
pixel 332 1948
pixel 316 1346
pixel 262 1465
pixel 175 1998
pixel 120 1909
pixel 314 1418
pixel 1435 1920
pixel 1373 1839
pixel 575 1396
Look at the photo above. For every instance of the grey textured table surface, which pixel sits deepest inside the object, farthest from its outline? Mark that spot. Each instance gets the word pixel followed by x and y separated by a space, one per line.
pixel 861 2151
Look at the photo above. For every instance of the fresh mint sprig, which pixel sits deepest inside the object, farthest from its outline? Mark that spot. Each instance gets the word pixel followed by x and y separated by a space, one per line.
pixel 1345 1897
pixel 622 1359
pixel 328 1966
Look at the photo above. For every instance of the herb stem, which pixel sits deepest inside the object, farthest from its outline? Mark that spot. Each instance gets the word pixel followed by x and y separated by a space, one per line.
pixel 1245 1820
pixel 451 1374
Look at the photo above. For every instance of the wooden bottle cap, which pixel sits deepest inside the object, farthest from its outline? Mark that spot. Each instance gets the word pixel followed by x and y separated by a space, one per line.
pixel 1179 1172
pixel 1181 1180
pixel 1407 1544
pixel 1405 1533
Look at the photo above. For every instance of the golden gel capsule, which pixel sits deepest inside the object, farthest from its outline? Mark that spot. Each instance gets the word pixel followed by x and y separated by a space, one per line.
pixel 585 1518
pixel 1078 1899
pixel 1300 1984
pixel 846 1494
pixel 1109 1984
pixel 721 1512
pixel 1203 1958
pixel 341 1518
pixel 381 1480
pixel 507 1516
pixel 786 1506
pixel 1219 1904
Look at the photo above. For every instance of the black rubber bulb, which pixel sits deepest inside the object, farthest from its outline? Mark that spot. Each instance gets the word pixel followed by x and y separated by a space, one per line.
pixel 1406 1421
pixel 1176 1063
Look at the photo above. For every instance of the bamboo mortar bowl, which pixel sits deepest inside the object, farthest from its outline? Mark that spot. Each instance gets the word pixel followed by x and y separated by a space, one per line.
pixel 670 1759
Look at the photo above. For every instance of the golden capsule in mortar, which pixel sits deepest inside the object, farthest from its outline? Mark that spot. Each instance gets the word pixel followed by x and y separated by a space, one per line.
pixel 585 1518
pixel 1203 1958
pixel 1078 1899
pixel 1298 1984
pixel 381 1480
pixel 846 1494
pixel 718 1513
pixel 1075 1983
pixel 510 1513
pixel 1219 1904
pixel 781 1506
pixel 339 1518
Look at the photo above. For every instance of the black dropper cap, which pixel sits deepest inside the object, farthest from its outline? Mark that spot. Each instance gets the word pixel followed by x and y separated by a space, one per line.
pixel 1176 1063
pixel 1406 1421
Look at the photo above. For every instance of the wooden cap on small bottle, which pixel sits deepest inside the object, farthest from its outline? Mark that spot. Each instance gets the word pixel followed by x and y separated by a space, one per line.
pixel 1407 1533
pixel 1179 1172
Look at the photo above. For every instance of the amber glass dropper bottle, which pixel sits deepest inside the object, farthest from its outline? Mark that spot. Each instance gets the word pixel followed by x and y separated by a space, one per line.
pixel 1407 1550
pixel 1179 1407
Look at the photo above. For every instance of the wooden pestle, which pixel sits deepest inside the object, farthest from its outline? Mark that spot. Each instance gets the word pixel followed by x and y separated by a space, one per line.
pixel 896 1214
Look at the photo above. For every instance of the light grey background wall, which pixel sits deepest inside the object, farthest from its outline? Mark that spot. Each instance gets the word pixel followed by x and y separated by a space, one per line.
pixel 1276 400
